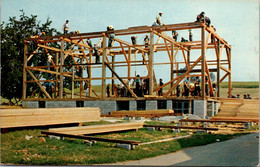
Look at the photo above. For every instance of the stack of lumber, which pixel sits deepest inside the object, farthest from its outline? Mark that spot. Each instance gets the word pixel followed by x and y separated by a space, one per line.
pixel 238 109
pixel 11 118
pixel 142 113
pixel 94 129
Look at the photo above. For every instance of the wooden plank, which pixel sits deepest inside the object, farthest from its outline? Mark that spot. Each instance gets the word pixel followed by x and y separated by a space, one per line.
pixel 24 71
pixel 103 89
pixel 128 44
pixel 35 79
pixel 136 112
pixel 77 43
pixel 61 68
pixel 181 77
pixel 127 86
pixel 171 40
pixel 180 127
pixel 151 59
pixel 203 50
pixel 43 116
pixel 225 69
pixel 211 121
pixel 95 129
pixel 92 138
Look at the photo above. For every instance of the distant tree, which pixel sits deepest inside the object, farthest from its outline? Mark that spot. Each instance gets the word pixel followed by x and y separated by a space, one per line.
pixel 212 76
pixel 13 34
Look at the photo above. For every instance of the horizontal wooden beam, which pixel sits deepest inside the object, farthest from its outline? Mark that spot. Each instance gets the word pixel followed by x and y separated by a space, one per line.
pixel 193 71
pixel 92 138
pixel 180 127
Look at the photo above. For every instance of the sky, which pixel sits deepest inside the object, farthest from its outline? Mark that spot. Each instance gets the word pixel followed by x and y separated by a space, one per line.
pixel 237 21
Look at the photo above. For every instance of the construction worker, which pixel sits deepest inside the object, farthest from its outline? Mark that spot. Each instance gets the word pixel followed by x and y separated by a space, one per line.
pixel 197 86
pixel 190 35
pixel 158 20
pixel 207 21
pixel 66 28
pixel 186 85
pixel 248 96
pixel 183 40
pixel 175 35
pixel 89 42
pixel 146 41
pixel 108 90
pixel 111 35
pixel 134 39
pixel 96 53
pixel 238 96
pixel 212 36
pixel 160 92
pixel 178 91
pixel 200 17
pixel 49 87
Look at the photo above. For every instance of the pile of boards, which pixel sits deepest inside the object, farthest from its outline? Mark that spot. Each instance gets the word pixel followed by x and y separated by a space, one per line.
pixel 142 113
pixel 238 109
pixel 11 118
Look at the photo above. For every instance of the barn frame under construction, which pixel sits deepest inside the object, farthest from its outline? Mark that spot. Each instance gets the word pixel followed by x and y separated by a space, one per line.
pixel 161 43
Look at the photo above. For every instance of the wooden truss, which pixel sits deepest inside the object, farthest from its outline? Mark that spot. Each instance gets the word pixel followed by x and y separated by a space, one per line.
pixel 83 55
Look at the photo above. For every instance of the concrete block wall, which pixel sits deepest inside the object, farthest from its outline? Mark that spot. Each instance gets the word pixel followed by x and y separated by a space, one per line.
pixel 105 106
pixel 30 104
pixel 60 104
pixel 151 104
pixel 169 104
pixel 132 105
pixel 200 108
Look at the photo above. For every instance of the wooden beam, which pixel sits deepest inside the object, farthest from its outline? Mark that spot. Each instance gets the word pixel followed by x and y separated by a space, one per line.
pixel 225 69
pixel 181 77
pixel 203 45
pixel 218 67
pixel 24 70
pixel 35 79
pixel 92 138
pixel 61 68
pixel 77 43
pixel 150 59
pixel 229 76
pixel 224 77
pixel 171 40
pixel 72 82
pixel 172 67
pixel 185 60
pixel 168 51
pixel 128 44
pixel 103 93
pixel 127 86
pixel 29 58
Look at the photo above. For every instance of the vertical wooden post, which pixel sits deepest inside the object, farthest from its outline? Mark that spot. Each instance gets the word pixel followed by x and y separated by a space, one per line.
pixel 218 68
pixel 24 70
pixel 150 57
pixel 229 76
pixel 129 62
pixel 57 76
pixel 113 81
pixel 203 62
pixel 72 83
pixel 171 72
pixel 103 95
pixel 90 74
pixel 61 68
pixel 81 88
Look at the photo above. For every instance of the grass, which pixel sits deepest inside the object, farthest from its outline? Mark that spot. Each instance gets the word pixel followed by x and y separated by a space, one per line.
pixel 15 149
pixel 240 85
